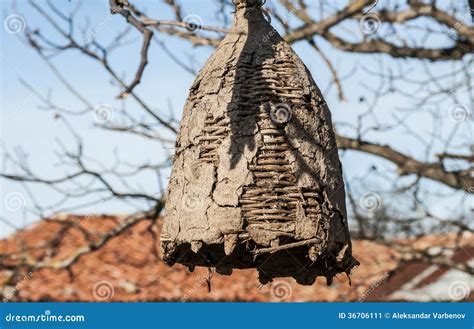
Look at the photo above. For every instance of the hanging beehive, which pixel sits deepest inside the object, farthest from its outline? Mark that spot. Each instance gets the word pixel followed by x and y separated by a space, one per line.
pixel 256 179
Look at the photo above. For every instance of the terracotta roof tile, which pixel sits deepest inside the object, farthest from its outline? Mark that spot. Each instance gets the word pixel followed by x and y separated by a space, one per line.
pixel 129 268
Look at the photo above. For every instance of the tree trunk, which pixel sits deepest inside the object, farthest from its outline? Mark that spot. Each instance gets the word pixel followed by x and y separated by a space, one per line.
pixel 256 180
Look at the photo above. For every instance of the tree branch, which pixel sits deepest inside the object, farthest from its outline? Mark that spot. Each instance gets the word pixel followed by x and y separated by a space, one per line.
pixel 407 165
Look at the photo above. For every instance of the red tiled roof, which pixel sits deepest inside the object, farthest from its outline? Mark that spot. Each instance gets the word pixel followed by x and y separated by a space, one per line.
pixel 129 268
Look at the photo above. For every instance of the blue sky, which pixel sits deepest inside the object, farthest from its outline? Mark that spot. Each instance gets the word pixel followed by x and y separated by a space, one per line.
pixel 165 84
